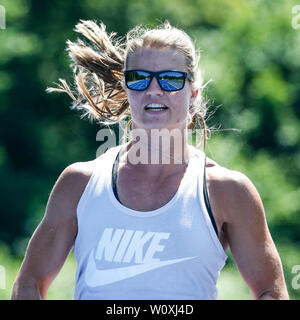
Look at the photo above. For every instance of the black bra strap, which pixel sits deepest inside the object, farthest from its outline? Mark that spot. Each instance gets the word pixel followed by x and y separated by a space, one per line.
pixel 114 177
pixel 207 200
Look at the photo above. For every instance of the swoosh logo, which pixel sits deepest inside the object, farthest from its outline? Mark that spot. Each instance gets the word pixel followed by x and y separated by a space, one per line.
pixel 95 277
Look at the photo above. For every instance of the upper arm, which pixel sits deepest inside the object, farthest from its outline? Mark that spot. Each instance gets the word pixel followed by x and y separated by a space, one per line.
pixel 54 237
pixel 249 238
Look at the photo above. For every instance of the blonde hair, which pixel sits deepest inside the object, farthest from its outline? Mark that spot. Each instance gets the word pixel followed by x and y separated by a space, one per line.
pixel 98 67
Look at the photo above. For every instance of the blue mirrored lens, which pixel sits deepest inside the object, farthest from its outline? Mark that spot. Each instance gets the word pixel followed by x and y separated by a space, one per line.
pixel 138 80
pixel 171 81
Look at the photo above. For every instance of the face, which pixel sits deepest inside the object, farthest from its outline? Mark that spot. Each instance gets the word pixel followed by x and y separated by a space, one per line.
pixel 177 102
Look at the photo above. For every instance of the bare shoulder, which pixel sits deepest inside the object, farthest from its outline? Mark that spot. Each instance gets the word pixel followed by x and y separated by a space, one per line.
pixel 75 177
pixel 69 188
pixel 231 191
pixel 222 176
pixel 78 174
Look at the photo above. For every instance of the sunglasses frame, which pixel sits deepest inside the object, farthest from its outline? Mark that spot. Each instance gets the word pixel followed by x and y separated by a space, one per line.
pixel 155 74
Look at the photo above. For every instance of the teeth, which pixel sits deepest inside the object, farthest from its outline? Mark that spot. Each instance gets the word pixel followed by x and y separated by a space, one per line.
pixel 154 107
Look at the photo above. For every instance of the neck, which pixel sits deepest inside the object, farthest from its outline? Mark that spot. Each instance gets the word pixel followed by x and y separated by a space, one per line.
pixel 158 147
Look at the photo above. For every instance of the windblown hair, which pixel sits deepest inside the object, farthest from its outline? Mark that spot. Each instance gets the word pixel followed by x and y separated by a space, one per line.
pixel 99 63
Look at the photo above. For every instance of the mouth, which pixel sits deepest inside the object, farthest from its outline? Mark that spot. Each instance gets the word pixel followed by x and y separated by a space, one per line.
pixel 155 107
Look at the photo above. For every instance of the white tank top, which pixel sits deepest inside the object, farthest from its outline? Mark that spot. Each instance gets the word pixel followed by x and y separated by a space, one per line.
pixel 171 253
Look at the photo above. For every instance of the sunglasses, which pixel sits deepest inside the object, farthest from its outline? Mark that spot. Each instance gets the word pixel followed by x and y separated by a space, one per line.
pixel 168 80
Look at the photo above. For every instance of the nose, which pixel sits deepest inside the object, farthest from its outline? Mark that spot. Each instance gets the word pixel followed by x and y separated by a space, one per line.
pixel 154 88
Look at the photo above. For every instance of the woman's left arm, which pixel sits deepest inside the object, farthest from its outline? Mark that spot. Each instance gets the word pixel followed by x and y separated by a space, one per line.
pixel 249 238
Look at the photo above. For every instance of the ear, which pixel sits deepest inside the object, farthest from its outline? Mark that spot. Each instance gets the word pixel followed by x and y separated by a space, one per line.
pixel 194 94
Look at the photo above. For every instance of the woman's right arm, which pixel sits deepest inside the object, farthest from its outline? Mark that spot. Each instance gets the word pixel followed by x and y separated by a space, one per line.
pixel 54 237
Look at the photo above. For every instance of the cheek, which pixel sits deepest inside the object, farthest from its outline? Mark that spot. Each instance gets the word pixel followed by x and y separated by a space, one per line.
pixel 182 101
pixel 133 98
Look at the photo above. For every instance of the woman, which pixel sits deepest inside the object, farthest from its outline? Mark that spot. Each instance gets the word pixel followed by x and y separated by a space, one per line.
pixel 153 217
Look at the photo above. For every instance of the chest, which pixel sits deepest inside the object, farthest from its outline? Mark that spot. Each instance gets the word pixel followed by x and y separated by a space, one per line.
pixel 141 193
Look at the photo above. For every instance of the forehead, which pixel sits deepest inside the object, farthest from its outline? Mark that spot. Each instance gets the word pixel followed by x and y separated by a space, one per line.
pixel 154 59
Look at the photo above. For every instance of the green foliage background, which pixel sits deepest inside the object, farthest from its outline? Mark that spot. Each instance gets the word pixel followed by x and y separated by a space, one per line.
pixel 249 49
